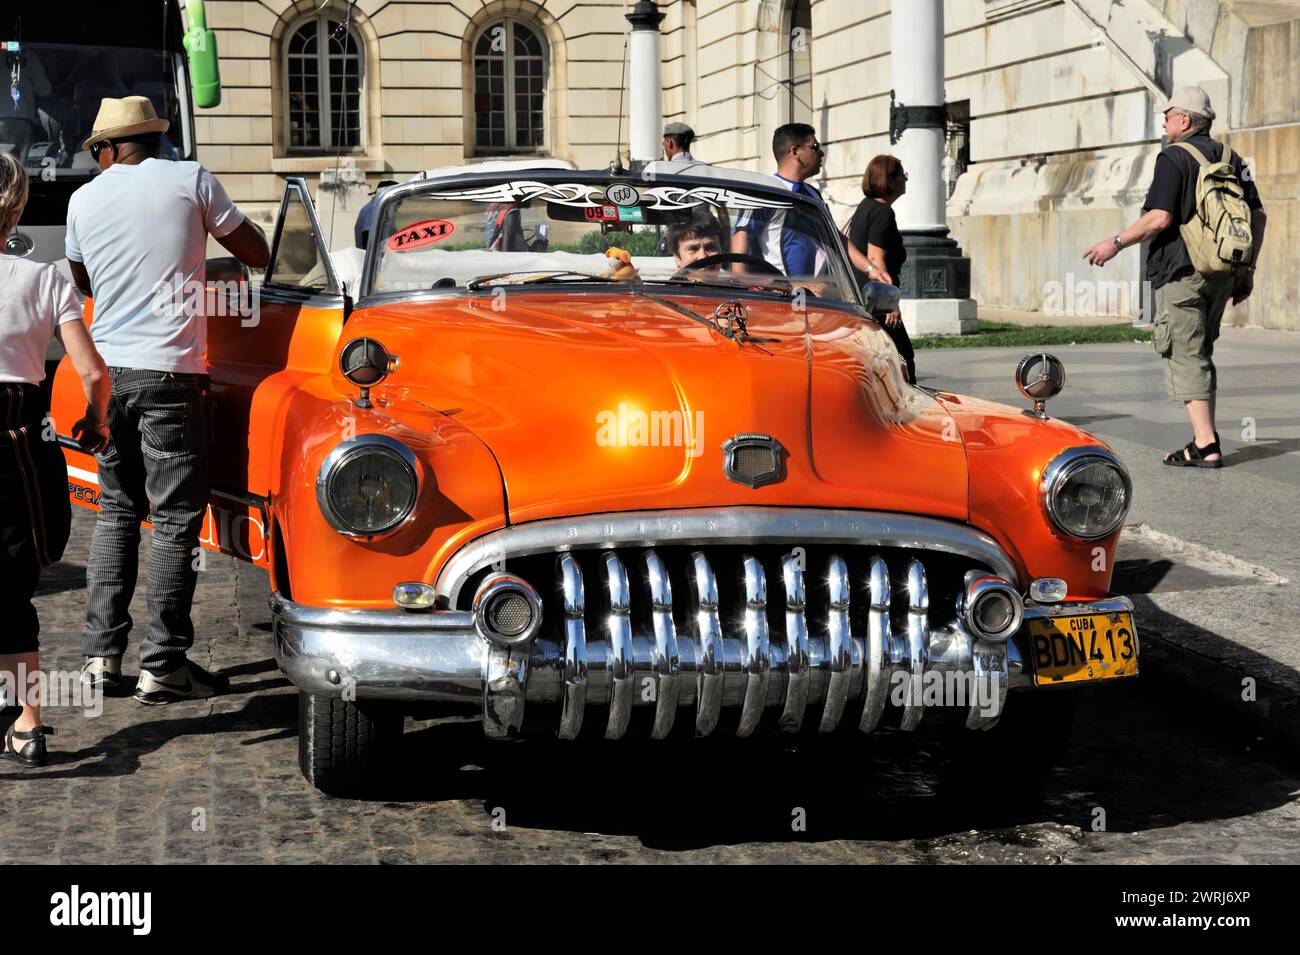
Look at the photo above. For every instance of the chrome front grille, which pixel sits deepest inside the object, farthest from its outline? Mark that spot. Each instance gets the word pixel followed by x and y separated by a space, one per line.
pixel 735 637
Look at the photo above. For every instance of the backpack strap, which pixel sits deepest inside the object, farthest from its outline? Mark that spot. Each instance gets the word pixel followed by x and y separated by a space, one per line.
pixel 1200 157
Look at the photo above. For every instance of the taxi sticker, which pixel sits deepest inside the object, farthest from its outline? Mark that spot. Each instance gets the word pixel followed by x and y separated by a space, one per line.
pixel 419 234
pixel 631 214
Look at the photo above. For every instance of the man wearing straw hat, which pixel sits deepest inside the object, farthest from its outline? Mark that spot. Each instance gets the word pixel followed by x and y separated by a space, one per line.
pixel 136 241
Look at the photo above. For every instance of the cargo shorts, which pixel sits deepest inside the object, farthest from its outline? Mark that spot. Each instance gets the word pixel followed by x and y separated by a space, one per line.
pixel 1189 311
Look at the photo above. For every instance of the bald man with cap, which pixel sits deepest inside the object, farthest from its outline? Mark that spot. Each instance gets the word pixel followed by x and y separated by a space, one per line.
pixel 1189 305
pixel 677 142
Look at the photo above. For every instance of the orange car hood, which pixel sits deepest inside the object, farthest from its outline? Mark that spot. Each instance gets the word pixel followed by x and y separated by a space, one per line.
pixel 594 402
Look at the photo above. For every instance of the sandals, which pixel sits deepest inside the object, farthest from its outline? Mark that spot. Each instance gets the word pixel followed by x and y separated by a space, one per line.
pixel 1192 455
pixel 32 754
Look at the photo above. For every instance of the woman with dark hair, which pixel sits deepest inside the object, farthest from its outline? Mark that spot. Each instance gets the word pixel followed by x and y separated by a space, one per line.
pixel 36 304
pixel 873 234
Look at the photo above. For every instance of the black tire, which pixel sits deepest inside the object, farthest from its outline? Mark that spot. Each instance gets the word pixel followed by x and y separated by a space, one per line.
pixel 340 743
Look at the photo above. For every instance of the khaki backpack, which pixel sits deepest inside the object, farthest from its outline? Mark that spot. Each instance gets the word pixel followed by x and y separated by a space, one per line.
pixel 1218 235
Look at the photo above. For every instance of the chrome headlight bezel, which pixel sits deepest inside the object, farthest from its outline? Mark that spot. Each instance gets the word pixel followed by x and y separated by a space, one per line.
pixel 346 451
pixel 1058 473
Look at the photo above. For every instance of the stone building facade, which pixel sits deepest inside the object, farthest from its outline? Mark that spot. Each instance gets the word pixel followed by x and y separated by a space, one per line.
pixel 1051 103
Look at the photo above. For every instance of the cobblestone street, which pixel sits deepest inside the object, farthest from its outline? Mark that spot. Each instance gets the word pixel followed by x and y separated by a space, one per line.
pixel 218 781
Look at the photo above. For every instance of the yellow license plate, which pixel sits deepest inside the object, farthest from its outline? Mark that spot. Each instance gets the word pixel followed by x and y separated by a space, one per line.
pixel 1096 646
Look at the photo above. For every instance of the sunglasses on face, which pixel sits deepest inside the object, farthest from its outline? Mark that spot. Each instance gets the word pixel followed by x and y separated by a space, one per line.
pixel 816 147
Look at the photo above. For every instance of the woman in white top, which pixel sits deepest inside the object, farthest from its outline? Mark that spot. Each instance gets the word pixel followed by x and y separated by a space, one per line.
pixel 36 304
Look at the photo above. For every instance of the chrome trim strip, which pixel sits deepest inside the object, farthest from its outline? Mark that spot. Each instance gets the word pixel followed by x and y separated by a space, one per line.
pixel 796 640
pixel 620 663
pixel 756 660
pixel 666 663
pixel 918 643
pixel 840 647
pixel 574 649
pixel 877 654
pixel 710 664
pixel 728 525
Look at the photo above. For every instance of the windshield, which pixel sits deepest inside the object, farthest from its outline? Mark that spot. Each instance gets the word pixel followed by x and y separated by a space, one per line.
pixel 726 236
pixel 53 97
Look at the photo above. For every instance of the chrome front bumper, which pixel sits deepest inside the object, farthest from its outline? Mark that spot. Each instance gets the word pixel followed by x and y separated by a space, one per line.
pixel 605 668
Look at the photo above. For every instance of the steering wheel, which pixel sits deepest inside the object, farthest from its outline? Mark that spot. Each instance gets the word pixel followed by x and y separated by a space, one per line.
pixel 720 257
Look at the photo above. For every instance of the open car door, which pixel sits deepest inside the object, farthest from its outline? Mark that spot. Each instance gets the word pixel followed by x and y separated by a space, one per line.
pixel 264 338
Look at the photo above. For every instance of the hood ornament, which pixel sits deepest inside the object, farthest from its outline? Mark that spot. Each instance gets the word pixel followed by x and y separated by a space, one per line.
pixel 753 459
pixel 1040 378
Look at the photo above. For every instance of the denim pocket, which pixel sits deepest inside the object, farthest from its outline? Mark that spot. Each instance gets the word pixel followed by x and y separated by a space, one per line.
pixel 167 431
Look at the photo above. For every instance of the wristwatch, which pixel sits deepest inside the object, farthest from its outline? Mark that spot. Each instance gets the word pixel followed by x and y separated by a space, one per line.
pixel 1118 244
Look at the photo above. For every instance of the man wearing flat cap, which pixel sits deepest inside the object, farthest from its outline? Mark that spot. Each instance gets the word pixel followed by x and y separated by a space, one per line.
pixel 677 142
pixel 1189 304
pixel 137 242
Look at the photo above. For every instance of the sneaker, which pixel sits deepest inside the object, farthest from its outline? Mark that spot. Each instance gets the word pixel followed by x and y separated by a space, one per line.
pixel 189 681
pixel 103 673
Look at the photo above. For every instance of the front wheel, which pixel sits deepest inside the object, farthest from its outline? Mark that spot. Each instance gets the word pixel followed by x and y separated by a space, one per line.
pixel 340 742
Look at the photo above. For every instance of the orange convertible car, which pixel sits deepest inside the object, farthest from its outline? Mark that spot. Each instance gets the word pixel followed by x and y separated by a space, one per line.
pixel 547 449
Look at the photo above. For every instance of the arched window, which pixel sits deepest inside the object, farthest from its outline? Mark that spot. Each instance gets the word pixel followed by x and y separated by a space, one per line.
pixel 509 88
pixel 324 73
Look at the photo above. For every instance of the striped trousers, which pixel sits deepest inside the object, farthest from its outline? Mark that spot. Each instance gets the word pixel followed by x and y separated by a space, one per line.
pixel 156 468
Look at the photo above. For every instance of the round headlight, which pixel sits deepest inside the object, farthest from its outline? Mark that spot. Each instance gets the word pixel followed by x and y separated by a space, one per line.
pixel 368 486
pixel 1086 492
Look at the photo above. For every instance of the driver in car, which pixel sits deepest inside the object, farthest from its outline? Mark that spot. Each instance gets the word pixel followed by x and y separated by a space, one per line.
pixel 698 237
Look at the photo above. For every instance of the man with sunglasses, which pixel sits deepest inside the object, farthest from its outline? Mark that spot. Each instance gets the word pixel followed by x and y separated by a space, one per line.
pixel 777 234
pixel 137 242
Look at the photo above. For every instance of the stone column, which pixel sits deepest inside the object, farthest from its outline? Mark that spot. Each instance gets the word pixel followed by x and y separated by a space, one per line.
pixel 645 84
pixel 936 277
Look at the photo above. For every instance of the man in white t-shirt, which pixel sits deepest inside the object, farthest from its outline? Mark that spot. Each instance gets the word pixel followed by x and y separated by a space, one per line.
pixel 136 241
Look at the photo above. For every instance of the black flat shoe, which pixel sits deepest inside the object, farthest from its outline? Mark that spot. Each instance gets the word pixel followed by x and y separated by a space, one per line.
pixel 32 754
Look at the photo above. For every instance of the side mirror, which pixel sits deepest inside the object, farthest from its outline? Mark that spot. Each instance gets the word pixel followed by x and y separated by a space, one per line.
pixel 201 46
pixel 226 269
pixel 880 297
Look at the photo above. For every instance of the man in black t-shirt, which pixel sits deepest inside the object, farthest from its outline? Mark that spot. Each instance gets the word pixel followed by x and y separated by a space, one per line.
pixel 1188 304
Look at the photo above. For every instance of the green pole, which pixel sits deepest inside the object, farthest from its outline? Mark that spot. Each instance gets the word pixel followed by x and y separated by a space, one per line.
pixel 201 46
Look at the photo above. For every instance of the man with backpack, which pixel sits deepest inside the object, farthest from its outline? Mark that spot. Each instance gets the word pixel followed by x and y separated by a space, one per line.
pixel 1206 226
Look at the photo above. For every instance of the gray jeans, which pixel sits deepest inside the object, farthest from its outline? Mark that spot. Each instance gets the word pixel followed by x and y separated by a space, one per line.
pixel 156 468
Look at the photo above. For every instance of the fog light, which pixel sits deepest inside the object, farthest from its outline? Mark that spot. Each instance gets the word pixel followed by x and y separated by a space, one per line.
pixel 994 612
pixel 414 596
pixel 992 607
pixel 507 610
pixel 1048 590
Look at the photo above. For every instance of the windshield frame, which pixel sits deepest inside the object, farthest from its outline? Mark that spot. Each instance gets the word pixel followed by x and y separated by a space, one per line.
pixel 398 193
